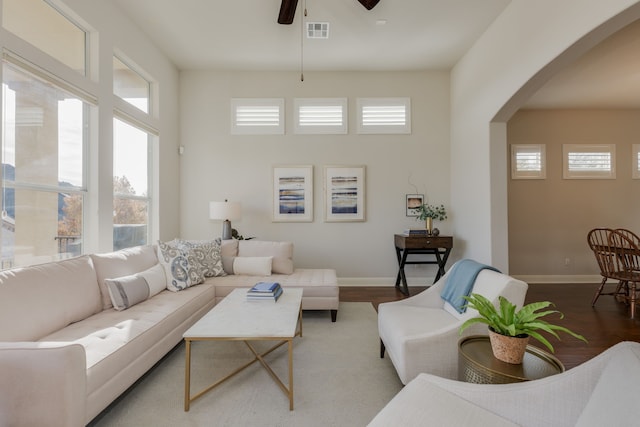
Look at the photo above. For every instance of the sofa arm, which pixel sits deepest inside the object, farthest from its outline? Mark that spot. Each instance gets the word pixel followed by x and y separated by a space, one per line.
pixel 42 384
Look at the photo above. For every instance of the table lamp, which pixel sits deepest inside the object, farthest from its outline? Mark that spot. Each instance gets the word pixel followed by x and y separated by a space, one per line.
pixel 225 211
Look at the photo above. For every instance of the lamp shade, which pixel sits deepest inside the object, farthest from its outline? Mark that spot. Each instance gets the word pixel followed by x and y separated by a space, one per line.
pixel 224 210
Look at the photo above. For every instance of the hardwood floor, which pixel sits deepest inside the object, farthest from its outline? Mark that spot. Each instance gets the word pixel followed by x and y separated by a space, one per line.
pixel 603 326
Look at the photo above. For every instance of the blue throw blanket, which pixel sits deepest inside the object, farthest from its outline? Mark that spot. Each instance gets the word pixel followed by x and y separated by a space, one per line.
pixel 460 282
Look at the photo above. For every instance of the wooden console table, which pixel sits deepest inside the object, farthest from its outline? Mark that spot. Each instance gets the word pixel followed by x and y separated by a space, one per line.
pixel 439 246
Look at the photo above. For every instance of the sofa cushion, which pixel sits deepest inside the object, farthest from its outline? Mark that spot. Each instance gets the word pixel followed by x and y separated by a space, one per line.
pixel 121 263
pixel 282 253
pixel 130 290
pixel 207 253
pixel 115 340
pixel 38 300
pixel 252 266
pixel 181 267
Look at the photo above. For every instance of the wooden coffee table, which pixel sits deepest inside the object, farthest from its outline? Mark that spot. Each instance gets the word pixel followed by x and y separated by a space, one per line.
pixel 477 364
pixel 236 319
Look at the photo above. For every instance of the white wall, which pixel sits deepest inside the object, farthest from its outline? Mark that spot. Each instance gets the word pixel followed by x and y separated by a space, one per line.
pixel 217 165
pixel 527 43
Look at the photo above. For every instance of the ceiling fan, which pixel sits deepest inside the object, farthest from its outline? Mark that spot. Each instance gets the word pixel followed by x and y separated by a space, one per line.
pixel 288 9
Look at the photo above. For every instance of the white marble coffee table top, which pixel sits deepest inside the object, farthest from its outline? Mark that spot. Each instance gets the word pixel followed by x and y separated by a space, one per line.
pixel 236 317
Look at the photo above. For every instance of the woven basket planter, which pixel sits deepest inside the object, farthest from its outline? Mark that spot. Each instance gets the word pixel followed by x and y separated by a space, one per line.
pixel 508 349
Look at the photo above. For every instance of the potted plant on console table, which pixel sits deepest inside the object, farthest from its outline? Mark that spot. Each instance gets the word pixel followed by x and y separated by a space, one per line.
pixel 510 330
pixel 428 213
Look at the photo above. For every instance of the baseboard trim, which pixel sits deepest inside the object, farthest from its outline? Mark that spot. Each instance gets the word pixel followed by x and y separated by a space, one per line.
pixel 383 281
pixel 422 281
pixel 560 278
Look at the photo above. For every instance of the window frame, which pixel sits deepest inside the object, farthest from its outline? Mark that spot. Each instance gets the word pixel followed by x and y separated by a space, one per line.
pixel 588 148
pixel 528 174
pixel 313 129
pixel 256 129
pixel 383 129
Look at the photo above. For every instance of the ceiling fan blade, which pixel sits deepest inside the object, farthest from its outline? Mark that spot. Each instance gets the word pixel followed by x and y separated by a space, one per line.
pixel 369 4
pixel 287 11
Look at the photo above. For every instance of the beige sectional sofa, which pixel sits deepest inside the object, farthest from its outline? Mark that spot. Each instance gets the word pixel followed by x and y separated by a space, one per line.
pixel 66 353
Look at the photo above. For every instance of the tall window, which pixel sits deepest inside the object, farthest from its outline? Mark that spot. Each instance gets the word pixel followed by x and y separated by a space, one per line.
pixel 43 172
pixel 131 202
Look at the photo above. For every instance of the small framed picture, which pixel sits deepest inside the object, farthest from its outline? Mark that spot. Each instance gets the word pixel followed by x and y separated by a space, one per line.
pixel 413 202
pixel 344 191
pixel 293 193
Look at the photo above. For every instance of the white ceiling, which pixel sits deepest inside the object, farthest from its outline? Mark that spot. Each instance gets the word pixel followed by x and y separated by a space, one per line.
pixel 417 35
pixel 245 34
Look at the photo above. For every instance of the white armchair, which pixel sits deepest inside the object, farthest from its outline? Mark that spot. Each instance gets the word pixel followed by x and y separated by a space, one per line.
pixel 602 391
pixel 421 333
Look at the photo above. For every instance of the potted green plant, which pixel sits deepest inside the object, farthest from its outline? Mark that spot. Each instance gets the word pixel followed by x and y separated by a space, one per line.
pixel 517 326
pixel 428 213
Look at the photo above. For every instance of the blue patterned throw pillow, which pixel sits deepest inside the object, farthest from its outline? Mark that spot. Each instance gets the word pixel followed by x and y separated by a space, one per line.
pixel 181 266
pixel 207 253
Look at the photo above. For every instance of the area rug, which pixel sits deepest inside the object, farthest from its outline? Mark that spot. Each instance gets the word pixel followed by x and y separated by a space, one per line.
pixel 339 380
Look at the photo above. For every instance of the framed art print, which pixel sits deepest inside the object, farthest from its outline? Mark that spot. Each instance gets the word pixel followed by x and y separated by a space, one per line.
pixel 344 193
pixel 414 201
pixel 293 193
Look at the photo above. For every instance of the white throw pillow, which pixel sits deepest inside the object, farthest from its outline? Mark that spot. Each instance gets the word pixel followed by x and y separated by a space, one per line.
pixel 252 265
pixel 282 253
pixel 227 264
pixel 130 290
pixel 155 278
pixel 180 266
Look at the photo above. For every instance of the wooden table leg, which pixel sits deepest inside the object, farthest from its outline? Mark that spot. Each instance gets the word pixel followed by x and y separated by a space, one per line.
pixel 187 376
pixel 291 374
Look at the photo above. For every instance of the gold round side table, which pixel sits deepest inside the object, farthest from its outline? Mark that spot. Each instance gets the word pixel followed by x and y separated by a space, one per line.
pixel 476 363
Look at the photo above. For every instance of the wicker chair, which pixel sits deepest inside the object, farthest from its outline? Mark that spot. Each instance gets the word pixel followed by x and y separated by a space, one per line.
pixel 610 266
pixel 630 235
pixel 627 254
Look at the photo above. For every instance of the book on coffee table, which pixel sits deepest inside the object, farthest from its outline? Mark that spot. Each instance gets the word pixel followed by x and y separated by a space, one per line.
pixel 265 291
pixel 265 287
pixel 265 296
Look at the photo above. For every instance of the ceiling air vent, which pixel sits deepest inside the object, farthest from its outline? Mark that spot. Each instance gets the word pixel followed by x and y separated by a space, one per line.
pixel 317 30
